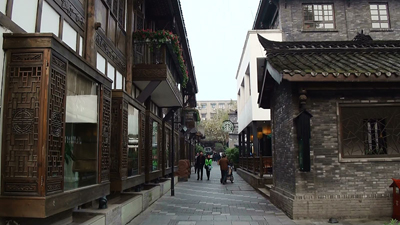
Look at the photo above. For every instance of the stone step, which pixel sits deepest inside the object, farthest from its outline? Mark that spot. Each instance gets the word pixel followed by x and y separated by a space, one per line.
pixel 268 186
pixel 264 191
pixel 88 220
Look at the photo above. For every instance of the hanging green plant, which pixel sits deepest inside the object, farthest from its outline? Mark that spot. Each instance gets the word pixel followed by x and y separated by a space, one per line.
pixel 163 37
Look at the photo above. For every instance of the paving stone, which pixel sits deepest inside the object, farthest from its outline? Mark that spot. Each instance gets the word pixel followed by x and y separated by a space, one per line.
pixel 214 204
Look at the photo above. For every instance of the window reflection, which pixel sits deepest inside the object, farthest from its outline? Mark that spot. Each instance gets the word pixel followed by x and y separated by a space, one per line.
pixel 81 139
pixel 133 141
pixel 155 147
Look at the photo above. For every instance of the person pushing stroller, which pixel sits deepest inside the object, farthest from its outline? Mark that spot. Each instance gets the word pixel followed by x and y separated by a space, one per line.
pixel 223 164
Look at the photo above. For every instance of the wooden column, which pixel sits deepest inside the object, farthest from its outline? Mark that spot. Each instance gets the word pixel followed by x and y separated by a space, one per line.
pixel 129 47
pixel 90 46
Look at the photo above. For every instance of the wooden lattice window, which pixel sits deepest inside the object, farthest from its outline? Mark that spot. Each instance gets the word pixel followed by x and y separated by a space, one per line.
pixel 379 16
pixel 118 9
pixel 370 130
pixel 318 16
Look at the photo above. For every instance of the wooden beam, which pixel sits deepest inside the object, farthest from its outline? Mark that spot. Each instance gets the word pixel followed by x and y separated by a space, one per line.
pixel 6 22
pixel 148 90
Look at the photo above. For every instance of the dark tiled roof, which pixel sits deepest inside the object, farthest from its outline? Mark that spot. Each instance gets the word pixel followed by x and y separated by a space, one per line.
pixel 341 59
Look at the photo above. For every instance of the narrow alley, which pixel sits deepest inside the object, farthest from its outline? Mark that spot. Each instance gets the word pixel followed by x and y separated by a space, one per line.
pixel 205 202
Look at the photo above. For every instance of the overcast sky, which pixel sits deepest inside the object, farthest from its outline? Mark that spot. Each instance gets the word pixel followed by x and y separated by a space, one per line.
pixel 216 31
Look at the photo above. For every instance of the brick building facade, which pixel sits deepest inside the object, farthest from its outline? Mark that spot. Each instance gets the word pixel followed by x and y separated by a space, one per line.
pixel 348 85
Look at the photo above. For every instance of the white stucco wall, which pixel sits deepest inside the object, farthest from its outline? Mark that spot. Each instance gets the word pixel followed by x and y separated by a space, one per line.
pixel 248 109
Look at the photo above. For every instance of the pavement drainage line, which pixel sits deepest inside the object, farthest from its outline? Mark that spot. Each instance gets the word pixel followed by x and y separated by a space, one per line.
pixel 225 199
pixel 226 194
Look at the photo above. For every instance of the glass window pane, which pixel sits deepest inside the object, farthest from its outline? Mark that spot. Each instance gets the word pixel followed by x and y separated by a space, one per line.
pixel 24 14
pixel 101 63
pixel 382 6
pixel 373 6
pixel 118 81
pixel 133 141
pixel 155 147
pixel 382 12
pixel 329 25
pixel 330 18
pixel 374 12
pixel 111 73
pixel 384 18
pixel 81 128
pixel 50 20
pixel 80 45
pixel 69 35
pixel 385 25
pixel 3 6
pixel 375 17
pixel 376 25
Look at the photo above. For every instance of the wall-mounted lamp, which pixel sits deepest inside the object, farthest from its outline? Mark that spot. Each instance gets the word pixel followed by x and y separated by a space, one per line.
pixel 266 130
pixel 251 138
pixel 259 135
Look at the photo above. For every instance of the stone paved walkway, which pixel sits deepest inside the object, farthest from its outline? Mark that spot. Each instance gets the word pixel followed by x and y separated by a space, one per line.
pixel 207 202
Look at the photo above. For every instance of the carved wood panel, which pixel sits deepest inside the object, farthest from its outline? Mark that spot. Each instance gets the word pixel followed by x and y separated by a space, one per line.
pixel 124 153
pixel 110 51
pixel 21 129
pixel 73 11
pixel 106 135
pixel 56 124
pixel 115 140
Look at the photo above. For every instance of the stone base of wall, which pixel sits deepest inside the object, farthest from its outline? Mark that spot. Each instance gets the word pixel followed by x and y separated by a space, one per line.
pixel 254 180
pixel 283 201
pixel 336 206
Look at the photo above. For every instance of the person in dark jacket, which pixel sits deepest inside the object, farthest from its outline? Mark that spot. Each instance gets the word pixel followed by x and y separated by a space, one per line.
pixel 223 164
pixel 200 161
pixel 195 163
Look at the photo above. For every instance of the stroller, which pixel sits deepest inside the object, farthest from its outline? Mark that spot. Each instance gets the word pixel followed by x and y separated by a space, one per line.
pixel 229 176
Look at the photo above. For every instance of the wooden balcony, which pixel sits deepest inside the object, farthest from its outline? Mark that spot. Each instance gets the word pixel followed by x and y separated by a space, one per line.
pixel 156 69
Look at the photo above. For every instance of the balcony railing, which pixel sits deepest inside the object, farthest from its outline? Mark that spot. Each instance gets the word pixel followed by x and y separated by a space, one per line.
pixel 257 165
pixel 155 53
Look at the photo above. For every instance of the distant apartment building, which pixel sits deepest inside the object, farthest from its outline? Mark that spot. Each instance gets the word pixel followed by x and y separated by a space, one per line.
pixel 208 109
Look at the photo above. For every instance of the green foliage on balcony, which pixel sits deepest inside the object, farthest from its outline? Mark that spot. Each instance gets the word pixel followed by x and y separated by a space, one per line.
pixel 165 37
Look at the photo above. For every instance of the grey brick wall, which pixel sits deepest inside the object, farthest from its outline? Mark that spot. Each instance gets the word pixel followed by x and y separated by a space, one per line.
pixel 333 188
pixel 283 144
pixel 348 19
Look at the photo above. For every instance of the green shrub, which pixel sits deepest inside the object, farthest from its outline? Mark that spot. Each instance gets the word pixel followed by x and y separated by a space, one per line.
pixel 393 222
pixel 233 155
pixel 199 149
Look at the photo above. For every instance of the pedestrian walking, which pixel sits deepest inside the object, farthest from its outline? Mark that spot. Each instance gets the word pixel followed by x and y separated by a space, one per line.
pixel 208 166
pixel 223 165
pixel 195 163
pixel 201 160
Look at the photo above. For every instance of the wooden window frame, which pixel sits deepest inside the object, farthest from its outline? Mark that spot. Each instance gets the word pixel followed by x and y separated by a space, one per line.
pixel 313 21
pixel 379 21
